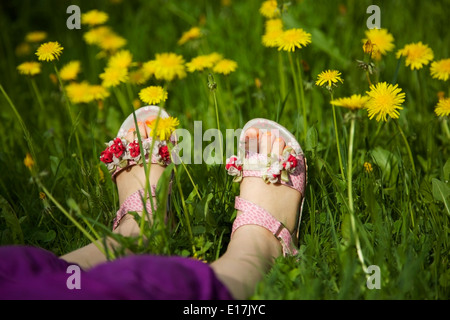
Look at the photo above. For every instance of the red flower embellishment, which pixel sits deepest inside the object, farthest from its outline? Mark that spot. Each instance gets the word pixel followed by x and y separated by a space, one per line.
pixel 134 149
pixel 233 162
pixel 117 148
pixel 106 156
pixel 290 163
pixel 164 153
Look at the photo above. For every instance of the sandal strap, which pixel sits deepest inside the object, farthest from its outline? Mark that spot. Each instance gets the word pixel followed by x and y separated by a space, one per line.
pixel 253 214
pixel 134 203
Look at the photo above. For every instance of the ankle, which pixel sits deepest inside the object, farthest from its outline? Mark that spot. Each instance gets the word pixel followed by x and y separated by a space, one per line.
pixel 253 240
pixel 128 182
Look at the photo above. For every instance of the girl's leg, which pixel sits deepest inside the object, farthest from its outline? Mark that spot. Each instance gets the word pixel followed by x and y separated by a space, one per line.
pixel 252 248
pixel 128 182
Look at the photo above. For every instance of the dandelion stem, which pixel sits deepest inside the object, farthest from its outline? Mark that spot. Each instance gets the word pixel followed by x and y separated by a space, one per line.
pixel 298 84
pixel 218 124
pixel 350 193
pixel 281 76
pixel 397 69
pixel 302 95
pixel 297 94
pixel 407 146
pixel 445 128
pixel 213 87
pixel 350 163
pixel 419 89
pixel 121 100
pixel 338 145
pixel 368 78
pixel 38 95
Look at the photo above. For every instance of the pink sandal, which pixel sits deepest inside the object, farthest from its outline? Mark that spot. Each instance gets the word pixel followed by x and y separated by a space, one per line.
pixel 288 169
pixel 121 155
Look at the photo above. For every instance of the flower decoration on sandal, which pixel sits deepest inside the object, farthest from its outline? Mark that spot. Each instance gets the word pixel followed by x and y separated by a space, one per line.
pixel 120 153
pixel 234 168
pixel 272 168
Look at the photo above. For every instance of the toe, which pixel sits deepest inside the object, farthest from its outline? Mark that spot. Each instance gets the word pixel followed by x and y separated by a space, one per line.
pixel 278 145
pixel 132 135
pixel 251 140
pixel 150 120
pixel 266 141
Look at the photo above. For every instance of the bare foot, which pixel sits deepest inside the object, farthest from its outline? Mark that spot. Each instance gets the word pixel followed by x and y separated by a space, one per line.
pixel 252 248
pixel 128 182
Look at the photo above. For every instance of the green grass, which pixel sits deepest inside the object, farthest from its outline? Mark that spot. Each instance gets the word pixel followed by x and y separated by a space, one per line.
pixel 401 216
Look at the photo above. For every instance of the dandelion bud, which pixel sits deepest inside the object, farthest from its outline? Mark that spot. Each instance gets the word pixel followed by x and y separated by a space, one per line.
pixel 212 85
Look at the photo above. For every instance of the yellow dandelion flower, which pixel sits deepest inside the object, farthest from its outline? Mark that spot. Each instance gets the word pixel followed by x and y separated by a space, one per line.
pixel 354 102
pixel 191 34
pixel 98 92
pixel 214 57
pixel 225 66
pixel 165 128
pixel 440 69
pixel 368 46
pixel 417 55
pixel 274 24
pixel 381 41
pixel 70 70
pixel 112 42
pixel 28 161
pixel 79 92
pixel 95 35
pixel 30 68
pixel 291 39
pixel 94 17
pixel 149 67
pixel 329 77
pixel 42 195
pixel 49 51
pixel 270 38
pixel 138 76
pixel 372 49
pixel 121 59
pixel 269 9
pixel 153 95
pixel 198 63
pixel 203 62
pixel 36 36
pixel 385 99
pixel 112 77
pixel 443 107
pixel 368 167
pixel 169 66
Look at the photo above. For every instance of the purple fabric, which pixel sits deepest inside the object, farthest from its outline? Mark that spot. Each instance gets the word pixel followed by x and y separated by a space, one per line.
pixel 34 273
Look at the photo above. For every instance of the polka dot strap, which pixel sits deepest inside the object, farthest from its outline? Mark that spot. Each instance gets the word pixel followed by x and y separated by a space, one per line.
pixel 255 215
pixel 135 202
